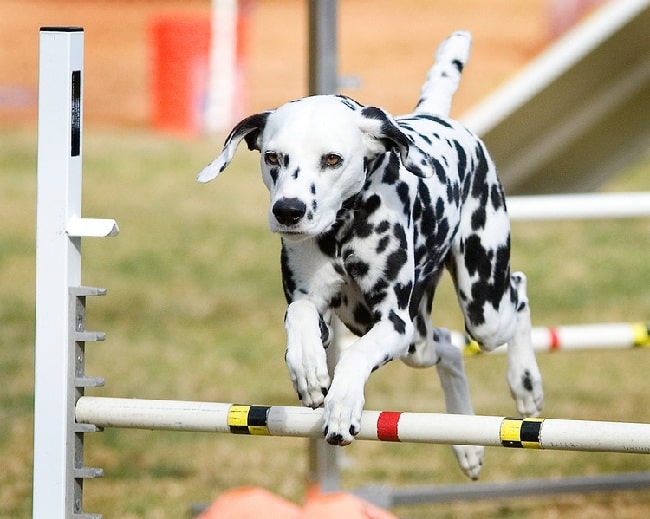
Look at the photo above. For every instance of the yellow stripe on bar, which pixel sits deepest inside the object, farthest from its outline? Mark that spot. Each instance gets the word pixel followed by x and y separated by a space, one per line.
pixel 248 419
pixel 521 432
pixel 641 334
pixel 472 348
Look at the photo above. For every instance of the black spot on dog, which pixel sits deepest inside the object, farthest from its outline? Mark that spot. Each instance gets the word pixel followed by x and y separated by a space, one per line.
pixel 363 228
pixel 526 381
pixel 398 323
pixel 420 254
pixel 324 330
pixel 497 196
pixel 478 219
pixel 424 138
pixel 327 243
pixel 349 102
pixel 435 119
pixel 480 188
pixel 382 227
pixel 421 326
pixel 312 189
pixel 357 268
pixel 443 228
pixel 370 205
pixel 403 294
pixel 362 316
pixel 400 234
pixel 288 281
pixel 439 170
pixel 376 295
pixel 296 173
pixel 381 246
pixel 403 193
pixel 476 258
pixel 391 171
pixel 456 193
pixel 440 208
pixel 462 160
pixel 381 284
pixel 394 263
pixel 285 161
pixel 274 172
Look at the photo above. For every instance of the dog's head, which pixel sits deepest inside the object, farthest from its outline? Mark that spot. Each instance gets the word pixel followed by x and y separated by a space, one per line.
pixel 314 154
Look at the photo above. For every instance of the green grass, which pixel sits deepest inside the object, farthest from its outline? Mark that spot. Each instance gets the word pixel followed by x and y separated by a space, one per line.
pixel 194 311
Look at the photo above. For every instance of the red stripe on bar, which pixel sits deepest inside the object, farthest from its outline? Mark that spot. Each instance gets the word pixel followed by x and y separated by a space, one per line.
pixel 555 339
pixel 387 426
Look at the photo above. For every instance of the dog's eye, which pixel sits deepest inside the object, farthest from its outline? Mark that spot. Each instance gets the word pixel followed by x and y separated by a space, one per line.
pixel 331 160
pixel 272 158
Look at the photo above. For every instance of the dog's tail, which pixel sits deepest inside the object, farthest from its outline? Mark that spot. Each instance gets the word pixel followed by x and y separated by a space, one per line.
pixel 443 77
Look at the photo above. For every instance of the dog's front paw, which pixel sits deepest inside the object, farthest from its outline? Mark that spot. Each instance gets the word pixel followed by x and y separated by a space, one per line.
pixel 343 407
pixel 526 389
pixel 470 459
pixel 306 357
pixel 309 376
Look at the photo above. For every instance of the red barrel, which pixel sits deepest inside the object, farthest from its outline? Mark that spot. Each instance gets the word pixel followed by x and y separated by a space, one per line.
pixel 180 45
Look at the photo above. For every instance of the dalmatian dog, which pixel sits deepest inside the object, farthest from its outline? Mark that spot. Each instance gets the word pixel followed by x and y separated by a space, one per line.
pixel 371 209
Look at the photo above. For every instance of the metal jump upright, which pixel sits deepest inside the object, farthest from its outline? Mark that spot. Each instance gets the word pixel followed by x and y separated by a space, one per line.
pixel 60 298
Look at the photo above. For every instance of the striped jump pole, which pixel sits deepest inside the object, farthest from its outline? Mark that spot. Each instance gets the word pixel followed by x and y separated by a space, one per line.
pixel 564 338
pixel 573 337
pixel 288 421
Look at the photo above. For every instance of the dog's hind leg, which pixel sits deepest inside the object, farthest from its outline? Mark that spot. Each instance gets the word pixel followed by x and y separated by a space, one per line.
pixel 522 373
pixel 433 347
pixel 494 300
pixel 444 76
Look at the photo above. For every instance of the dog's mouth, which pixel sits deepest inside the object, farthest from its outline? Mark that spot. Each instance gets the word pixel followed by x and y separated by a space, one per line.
pixel 294 236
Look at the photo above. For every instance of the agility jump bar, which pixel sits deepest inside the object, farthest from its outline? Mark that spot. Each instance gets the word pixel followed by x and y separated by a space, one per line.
pixel 291 421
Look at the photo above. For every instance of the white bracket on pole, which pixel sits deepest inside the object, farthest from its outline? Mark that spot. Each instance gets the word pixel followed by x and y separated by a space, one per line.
pixel 60 298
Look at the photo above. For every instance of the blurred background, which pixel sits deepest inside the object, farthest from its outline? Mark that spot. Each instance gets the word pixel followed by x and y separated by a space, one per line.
pixel 378 42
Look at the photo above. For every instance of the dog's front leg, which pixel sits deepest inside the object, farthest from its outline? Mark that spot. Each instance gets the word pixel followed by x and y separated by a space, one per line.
pixel 344 402
pixel 306 357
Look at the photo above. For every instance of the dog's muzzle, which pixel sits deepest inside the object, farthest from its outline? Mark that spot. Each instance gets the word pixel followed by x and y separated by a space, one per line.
pixel 289 211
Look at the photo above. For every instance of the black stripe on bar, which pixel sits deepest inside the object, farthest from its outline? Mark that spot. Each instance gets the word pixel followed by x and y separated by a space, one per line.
pixel 530 431
pixel 257 415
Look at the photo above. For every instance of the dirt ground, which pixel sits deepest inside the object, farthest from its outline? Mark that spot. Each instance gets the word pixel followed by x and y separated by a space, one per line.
pixel 387 45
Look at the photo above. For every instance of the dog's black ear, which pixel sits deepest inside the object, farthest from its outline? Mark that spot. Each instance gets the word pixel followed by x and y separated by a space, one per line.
pixel 249 129
pixel 382 133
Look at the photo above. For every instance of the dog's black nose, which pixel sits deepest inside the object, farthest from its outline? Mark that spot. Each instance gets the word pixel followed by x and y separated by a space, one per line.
pixel 288 211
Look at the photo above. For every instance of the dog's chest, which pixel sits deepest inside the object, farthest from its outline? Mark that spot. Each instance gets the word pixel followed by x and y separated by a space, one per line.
pixel 396 237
